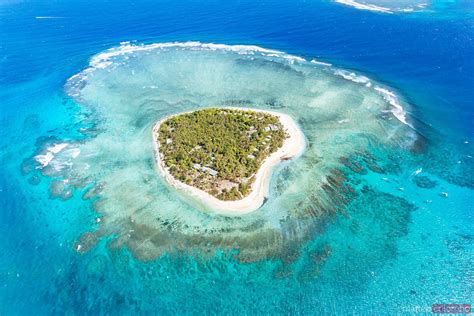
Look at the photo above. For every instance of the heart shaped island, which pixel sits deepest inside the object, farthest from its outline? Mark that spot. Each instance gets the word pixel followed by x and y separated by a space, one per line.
pixel 221 158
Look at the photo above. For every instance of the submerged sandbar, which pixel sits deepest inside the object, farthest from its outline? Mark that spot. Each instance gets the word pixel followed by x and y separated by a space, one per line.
pixel 222 158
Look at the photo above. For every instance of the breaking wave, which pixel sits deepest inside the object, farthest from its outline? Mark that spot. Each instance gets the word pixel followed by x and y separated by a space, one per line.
pixel 388 7
pixel 108 59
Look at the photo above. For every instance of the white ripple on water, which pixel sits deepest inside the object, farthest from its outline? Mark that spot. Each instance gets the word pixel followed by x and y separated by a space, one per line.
pixel 106 59
pixel 370 7
pixel 45 158
pixel 386 6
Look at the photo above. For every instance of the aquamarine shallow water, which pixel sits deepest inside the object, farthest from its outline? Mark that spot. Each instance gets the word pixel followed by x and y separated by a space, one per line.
pixel 399 244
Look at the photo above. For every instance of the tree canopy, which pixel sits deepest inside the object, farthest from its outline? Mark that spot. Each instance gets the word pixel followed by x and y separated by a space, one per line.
pixel 219 150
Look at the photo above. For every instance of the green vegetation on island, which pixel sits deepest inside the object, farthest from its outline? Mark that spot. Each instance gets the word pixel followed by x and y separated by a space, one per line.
pixel 219 150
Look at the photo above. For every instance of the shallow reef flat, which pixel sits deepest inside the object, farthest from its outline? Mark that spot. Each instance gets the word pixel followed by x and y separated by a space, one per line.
pixel 348 121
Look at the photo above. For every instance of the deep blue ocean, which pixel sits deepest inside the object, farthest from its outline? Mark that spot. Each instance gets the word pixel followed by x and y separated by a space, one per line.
pixel 402 245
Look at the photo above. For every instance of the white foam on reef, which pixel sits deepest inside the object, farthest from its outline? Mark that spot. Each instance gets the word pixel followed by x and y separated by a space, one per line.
pixel 57 147
pixel 50 156
pixel 386 6
pixel 390 97
pixel 106 59
pixel 397 109
pixel 317 62
pixel 351 76
pixel 103 60
pixel 47 157
pixel 361 6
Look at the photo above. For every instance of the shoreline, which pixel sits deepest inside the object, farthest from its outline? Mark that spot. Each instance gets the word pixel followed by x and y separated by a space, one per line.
pixel 292 147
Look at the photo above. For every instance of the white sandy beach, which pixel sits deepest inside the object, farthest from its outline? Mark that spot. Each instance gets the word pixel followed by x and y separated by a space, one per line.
pixel 293 146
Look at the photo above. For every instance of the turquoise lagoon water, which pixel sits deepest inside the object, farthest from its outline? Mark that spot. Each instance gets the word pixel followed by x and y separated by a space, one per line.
pixel 374 218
